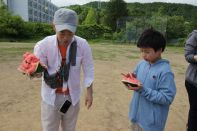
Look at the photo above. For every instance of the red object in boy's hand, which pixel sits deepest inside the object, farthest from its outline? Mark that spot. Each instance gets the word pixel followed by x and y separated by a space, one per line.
pixel 130 79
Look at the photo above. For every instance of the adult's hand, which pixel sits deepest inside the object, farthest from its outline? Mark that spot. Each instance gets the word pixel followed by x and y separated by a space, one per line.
pixel 89 97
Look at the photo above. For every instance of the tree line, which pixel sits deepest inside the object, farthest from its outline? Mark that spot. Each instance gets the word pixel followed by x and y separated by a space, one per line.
pixel 116 19
pixel 128 20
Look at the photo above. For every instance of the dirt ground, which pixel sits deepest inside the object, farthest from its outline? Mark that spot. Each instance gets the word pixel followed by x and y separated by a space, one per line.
pixel 20 96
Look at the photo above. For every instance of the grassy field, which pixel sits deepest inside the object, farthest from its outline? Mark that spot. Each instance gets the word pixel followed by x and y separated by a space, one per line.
pixel 101 51
pixel 20 97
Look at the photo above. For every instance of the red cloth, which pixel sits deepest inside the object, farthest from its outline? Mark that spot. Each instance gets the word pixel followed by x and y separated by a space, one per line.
pixel 62 49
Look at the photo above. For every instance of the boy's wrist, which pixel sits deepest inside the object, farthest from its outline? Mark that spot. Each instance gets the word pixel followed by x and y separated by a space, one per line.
pixel 140 90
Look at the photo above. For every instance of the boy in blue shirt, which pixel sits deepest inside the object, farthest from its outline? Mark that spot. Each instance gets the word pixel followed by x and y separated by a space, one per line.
pixel 156 90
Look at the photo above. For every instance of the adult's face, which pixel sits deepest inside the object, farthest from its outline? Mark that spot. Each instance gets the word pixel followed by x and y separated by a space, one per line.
pixel 64 36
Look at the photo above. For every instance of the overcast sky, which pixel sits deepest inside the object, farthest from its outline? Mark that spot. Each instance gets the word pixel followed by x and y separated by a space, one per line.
pixel 80 2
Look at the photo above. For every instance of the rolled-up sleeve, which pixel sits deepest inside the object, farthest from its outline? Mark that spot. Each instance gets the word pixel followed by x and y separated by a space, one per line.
pixel 40 53
pixel 87 66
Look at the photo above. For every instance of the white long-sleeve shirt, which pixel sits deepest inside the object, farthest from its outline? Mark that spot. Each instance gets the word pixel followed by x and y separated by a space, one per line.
pixel 48 52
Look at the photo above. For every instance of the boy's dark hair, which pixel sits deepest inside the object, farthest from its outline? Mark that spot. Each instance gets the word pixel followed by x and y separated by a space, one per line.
pixel 152 39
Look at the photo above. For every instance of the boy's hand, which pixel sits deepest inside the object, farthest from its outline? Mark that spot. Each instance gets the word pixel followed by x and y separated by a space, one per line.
pixel 129 75
pixel 139 86
pixel 128 86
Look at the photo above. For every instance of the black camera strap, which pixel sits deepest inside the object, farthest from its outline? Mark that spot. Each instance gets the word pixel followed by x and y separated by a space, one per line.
pixel 56 80
pixel 71 60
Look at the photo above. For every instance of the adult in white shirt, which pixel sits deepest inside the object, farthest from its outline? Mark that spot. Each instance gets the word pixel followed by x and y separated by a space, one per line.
pixel 55 51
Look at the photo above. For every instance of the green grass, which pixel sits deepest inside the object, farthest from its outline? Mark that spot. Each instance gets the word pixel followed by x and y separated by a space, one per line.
pixel 174 49
pixel 12 50
pixel 112 52
pixel 102 50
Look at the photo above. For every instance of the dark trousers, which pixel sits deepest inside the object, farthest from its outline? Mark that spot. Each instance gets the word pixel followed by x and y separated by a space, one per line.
pixel 192 116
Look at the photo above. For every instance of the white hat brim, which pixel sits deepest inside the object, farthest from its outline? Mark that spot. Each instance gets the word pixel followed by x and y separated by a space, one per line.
pixel 65 27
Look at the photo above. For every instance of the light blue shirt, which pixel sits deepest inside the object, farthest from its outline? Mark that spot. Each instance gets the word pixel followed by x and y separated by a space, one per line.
pixel 150 105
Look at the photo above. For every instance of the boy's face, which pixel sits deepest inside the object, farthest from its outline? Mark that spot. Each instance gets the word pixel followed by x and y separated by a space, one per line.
pixel 150 55
pixel 64 37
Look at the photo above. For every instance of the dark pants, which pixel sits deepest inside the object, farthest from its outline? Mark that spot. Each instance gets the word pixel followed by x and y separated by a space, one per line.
pixel 192 116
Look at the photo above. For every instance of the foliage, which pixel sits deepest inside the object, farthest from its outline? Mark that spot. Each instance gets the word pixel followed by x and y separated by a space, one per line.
pixel 96 4
pixel 99 19
pixel 10 25
pixel 175 27
pixel 82 12
pixel 91 17
pixel 76 8
pixel 116 9
pixel 120 37
pixel 92 31
pixel 173 20
pixel 15 28
pixel 107 36
pixel 42 29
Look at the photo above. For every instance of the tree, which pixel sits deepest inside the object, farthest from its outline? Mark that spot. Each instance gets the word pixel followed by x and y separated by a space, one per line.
pixel 91 17
pixel 188 27
pixel 158 21
pixel 116 9
pixel 2 3
pixel 76 8
pixel 194 17
pixel 135 27
pixel 82 15
pixel 137 12
pixel 175 27
pixel 4 17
